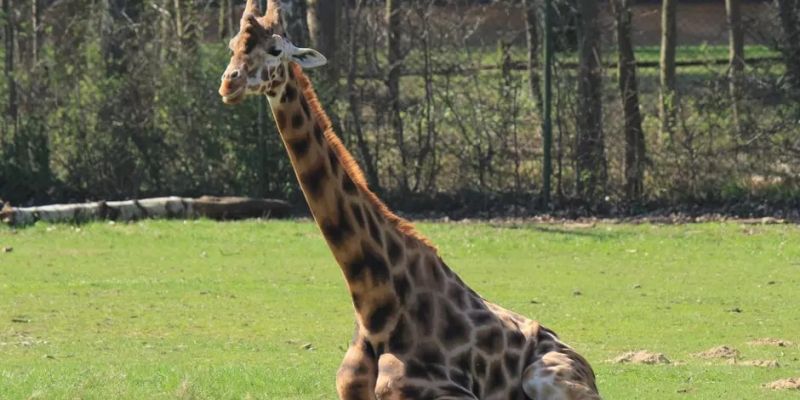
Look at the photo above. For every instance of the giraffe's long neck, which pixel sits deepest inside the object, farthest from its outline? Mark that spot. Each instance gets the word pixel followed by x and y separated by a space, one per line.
pixel 370 244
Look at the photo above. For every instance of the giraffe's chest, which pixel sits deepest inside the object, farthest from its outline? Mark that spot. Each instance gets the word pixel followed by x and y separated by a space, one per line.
pixel 412 380
pixel 489 366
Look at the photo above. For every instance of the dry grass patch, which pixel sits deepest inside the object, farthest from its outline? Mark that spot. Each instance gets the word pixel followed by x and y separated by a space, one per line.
pixel 719 352
pixel 756 363
pixel 784 384
pixel 770 342
pixel 641 357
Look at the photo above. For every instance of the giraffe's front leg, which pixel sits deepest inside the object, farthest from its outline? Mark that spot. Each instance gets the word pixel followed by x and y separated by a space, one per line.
pixel 553 378
pixel 559 374
pixel 358 372
pixel 556 371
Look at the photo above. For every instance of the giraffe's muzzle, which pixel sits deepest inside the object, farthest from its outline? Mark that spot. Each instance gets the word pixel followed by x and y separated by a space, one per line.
pixel 233 86
pixel 235 97
pixel 232 94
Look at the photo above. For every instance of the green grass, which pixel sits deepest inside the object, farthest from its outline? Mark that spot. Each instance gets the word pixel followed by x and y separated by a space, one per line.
pixel 163 310
pixel 693 53
pixel 702 53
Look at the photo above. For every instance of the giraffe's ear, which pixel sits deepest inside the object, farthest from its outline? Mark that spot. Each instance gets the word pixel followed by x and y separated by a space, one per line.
pixel 252 7
pixel 307 58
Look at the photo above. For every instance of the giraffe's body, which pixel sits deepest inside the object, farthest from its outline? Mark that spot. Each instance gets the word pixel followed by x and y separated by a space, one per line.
pixel 421 332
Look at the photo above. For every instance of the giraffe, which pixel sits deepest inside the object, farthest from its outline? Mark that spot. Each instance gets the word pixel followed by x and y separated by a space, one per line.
pixel 421 332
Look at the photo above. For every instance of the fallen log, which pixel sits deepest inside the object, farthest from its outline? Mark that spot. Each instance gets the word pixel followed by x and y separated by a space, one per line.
pixel 223 208
pixel 217 208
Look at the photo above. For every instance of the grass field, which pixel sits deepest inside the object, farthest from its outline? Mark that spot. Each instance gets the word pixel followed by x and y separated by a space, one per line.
pixel 205 310
pixel 650 54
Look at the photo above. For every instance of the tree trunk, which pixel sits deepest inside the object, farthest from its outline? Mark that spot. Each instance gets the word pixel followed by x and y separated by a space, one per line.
pixel 187 20
pixel 177 12
pixel 426 144
pixel 546 110
pixel 323 27
pixel 164 32
pixel 629 92
pixel 10 31
pixel 36 36
pixel 395 60
pixel 229 5
pixel 222 20
pixel 354 98
pixel 532 38
pixel 789 13
pixel 119 30
pixel 590 151
pixel 668 99
pixel 736 66
pixel 294 18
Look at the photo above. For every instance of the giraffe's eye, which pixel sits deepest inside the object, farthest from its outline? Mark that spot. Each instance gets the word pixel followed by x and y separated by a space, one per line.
pixel 274 51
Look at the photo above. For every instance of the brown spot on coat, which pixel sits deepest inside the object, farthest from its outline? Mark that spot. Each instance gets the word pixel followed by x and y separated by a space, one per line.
pixel 454 329
pixel 348 185
pixel 333 161
pixel 280 118
pixel 304 105
pixel 289 94
pixel 489 340
pixel 358 214
pixel 318 135
pixel 423 313
pixel 298 120
pixel 299 146
pixel 401 287
pixel 393 249
pixel 380 315
pixel 370 261
pixel 337 232
pixel 496 379
pixel 314 179
pixel 401 338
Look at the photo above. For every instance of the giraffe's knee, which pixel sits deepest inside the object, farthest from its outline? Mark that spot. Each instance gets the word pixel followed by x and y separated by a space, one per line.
pixel 553 377
pixel 540 383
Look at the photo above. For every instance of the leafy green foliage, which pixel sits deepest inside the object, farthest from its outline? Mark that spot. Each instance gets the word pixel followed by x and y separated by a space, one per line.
pixel 124 104
pixel 114 111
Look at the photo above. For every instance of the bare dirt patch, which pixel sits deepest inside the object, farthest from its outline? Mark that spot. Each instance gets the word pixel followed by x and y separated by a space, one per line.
pixel 756 363
pixel 641 357
pixel 770 342
pixel 783 384
pixel 21 339
pixel 719 352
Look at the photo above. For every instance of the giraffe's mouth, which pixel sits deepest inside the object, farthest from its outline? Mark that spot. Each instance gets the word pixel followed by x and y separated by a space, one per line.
pixel 235 97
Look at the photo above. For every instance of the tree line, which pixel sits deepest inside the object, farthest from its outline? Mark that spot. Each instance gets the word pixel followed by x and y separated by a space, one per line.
pixel 115 99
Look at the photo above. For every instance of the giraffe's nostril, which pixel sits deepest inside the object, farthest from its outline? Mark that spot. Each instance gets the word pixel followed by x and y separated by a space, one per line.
pixel 234 74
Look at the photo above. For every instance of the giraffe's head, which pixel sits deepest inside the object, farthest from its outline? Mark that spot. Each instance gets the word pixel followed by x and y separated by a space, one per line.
pixel 261 54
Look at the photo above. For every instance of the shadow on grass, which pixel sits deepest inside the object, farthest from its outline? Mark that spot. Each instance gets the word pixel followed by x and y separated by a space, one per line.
pixel 587 231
